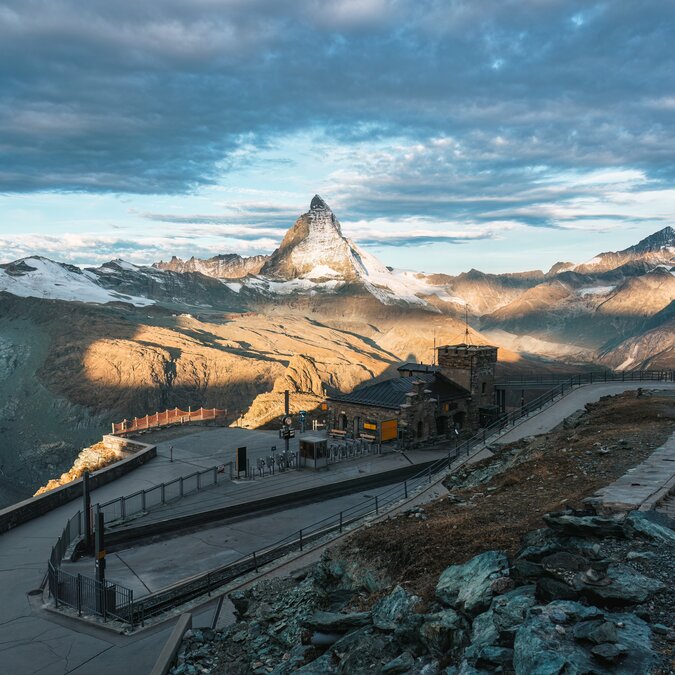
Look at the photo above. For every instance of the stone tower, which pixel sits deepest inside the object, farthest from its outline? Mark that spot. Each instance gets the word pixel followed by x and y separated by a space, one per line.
pixel 472 367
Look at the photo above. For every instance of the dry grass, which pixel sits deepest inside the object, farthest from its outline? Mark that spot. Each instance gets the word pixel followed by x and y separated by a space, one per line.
pixel 555 470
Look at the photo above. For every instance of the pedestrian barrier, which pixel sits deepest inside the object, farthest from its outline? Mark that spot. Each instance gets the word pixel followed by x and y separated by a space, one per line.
pixel 165 419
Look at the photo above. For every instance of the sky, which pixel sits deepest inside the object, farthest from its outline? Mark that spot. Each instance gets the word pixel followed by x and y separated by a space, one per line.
pixel 501 135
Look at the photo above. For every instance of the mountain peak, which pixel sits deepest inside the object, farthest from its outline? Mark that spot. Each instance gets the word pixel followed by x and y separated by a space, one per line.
pixel 313 245
pixel 654 242
pixel 317 204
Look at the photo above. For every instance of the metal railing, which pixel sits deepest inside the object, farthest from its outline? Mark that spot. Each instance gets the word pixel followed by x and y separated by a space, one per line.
pixel 125 508
pixel 206 582
pixel 80 592
pixel 137 611
pixel 590 378
pixel 166 418
pixel 91 596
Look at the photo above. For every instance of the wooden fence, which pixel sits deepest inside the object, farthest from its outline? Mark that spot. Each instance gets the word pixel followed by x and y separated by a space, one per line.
pixel 165 419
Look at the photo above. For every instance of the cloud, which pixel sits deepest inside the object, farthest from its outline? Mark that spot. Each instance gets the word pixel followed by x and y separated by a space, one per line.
pixel 162 98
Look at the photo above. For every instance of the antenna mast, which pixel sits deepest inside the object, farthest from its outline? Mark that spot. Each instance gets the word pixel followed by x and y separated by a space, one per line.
pixel 467 340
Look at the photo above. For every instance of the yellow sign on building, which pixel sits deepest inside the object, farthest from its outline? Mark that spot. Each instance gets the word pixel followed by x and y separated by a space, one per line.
pixel 388 430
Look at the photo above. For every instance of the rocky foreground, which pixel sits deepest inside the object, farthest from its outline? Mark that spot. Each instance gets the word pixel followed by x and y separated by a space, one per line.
pixel 587 594
pixel 473 583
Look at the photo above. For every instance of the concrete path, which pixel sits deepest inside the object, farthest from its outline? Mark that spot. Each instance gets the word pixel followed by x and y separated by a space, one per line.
pixel 640 486
pixel 550 417
pixel 33 640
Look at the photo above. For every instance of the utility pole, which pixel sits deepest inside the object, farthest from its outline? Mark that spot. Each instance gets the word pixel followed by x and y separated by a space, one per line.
pixel 287 410
pixel 100 563
pixel 86 510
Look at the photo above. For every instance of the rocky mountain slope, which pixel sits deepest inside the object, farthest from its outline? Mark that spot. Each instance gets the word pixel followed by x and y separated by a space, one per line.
pixel 227 266
pixel 656 249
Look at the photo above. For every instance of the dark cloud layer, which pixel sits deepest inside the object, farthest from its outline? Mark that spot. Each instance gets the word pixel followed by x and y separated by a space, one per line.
pixel 157 97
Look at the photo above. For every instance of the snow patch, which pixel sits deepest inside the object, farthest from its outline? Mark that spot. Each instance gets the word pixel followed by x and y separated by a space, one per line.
pixel 596 290
pixel 53 281
pixel 420 285
pixel 233 286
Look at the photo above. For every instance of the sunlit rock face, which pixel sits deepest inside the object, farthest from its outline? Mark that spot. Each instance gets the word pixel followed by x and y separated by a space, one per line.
pixel 314 248
pixel 226 266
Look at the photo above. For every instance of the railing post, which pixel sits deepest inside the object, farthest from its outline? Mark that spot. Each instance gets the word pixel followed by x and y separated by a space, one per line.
pixel 161 493
pixel 131 608
pixel 301 540
pixel 123 508
pixel 405 488
pixel 142 500
pixel 54 573
pixel 79 595
pixel 340 521
pixel 180 486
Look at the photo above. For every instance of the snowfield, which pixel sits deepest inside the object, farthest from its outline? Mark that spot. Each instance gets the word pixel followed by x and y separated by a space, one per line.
pixel 53 281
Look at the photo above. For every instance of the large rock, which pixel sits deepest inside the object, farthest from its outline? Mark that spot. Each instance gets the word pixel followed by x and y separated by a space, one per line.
pixel 639 523
pixel 621 586
pixel 577 525
pixel 401 664
pixel 363 651
pixel 468 587
pixel 547 644
pixel 443 632
pixel 334 622
pixel 498 625
pixel 389 612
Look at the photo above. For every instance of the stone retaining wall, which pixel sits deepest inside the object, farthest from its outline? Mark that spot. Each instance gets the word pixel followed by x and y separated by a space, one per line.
pixel 31 508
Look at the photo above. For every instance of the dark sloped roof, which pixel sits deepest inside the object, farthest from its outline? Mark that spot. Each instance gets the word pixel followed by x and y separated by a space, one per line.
pixel 419 367
pixel 392 393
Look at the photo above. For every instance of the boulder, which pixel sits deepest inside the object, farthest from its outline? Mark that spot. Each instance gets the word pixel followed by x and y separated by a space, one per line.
pixel 322 666
pixel 544 646
pixel 645 524
pixel 241 601
pixel 549 589
pixel 334 622
pixel 597 631
pixel 389 612
pixel 494 657
pixel 584 525
pixel 468 587
pixel 498 625
pixel 443 632
pixel 621 586
pixel 608 652
pixel 363 651
pixel 401 664
pixel 564 560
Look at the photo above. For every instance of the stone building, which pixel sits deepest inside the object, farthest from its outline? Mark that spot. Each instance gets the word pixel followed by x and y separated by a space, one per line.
pixel 424 401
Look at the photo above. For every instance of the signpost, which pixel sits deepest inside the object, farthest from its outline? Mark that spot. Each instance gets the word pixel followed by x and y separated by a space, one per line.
pixel 241 463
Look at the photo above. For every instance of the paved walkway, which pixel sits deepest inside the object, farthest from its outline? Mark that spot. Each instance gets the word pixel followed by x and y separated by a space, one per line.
pixel 550 417
pixel 33 640
pixel 643 486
